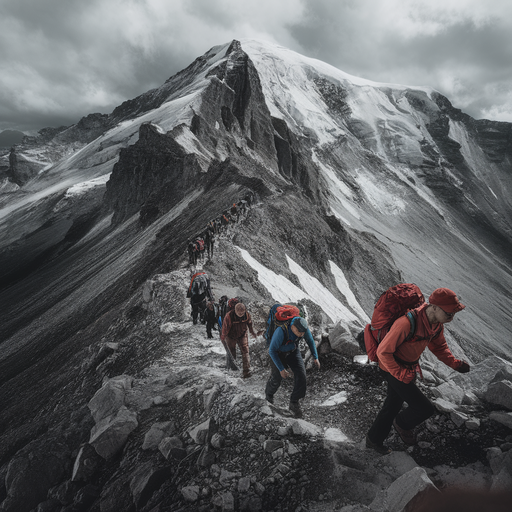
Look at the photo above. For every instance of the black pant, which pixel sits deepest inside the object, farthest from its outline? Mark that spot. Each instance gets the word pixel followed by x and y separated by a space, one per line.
pixel 294 361
pixel 198 310
pixel 418 410
pixel 210 324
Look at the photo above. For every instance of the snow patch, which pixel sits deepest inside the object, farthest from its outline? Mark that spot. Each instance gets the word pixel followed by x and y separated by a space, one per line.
pixel 344 288
pixel 81 188
pixel 321 295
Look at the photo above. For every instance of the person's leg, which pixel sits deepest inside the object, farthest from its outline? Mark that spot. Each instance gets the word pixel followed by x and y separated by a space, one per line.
pixel 231 344
pixel 243 345
pixel 296 364
pixel 381 426
pixel 273 382
pixel 419 406
pixel 195 311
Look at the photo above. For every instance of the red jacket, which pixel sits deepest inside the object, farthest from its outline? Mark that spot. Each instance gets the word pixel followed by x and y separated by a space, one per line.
pixel 235 327
pixel 393 345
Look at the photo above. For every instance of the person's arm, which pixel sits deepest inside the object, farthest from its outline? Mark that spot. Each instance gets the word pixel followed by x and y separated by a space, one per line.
pixel 308 337
pixel 249 325
pixel 273 349
pixel 440 349
pixel 387 348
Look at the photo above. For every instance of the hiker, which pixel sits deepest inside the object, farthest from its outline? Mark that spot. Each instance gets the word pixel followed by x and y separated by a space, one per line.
pixel 192 255
pixel 235 325
pixel 200 247
pixel 209 239
pixel 210 318
pixel 285 353
pixel 199 292
pixel 398 362
pixel 235 214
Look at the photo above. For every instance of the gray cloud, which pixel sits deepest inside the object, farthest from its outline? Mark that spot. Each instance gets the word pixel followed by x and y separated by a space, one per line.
pixel 62 60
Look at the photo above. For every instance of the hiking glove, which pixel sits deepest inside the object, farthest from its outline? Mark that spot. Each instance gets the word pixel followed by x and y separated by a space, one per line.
pixel 463 367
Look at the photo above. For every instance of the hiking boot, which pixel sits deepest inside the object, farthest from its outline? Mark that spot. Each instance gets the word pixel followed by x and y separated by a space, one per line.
pixel 295 409
pixel 269 399
pixel 379 448
pixel 407 436
pixel 247 374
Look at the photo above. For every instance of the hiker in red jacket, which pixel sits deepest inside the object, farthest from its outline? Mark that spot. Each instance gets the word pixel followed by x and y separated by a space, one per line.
pixel 398 360
pixel 234 332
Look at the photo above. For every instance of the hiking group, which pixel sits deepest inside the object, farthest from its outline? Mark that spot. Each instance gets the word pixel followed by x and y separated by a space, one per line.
pixel 403 325
pixel 286 327
pixel 205 241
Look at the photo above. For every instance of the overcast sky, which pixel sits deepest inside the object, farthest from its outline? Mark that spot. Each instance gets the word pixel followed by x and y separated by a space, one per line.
pixel 63 59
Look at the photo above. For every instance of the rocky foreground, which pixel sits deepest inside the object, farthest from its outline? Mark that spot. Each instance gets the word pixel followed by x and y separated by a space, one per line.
pixel 154 422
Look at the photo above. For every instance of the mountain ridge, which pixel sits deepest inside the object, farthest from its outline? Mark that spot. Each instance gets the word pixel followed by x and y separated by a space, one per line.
pixel 365 185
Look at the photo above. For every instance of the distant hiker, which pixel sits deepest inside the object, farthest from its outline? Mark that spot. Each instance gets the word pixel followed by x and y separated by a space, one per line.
pixel 200 247
pixel 224 221
pixel 285 353
pixel 235 325
pixel 209 239
pixel 235 214
pixel 199 292
pixel 191 249
pixel 210 318
pixel 398 356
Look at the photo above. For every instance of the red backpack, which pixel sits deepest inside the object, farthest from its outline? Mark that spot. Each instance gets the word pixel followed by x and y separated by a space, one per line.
pixel 392 304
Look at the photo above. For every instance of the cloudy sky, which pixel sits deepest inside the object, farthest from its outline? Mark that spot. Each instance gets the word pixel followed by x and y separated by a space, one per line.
pixel 63 59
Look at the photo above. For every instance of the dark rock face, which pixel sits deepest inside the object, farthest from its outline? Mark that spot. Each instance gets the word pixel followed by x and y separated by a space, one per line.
pixel 155 172
pixel 20 169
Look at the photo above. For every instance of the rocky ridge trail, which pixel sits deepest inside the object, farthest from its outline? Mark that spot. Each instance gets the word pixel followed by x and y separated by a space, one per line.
pixel 164 426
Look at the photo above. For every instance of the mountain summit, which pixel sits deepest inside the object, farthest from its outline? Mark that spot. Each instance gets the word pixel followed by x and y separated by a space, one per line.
pixel 355 186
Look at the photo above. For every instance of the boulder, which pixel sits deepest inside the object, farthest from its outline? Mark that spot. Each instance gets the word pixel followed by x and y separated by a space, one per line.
pixel 449 391
pixel 156 433
pixel 481 373
pixel 500 393
pixel 443 405
pixel 504 373
pixel 505 418
pixel 304 428
pixel 110 434
pixel 459 418
pixel 36 468
pixel 343 341
pixel 202 433
pixel 110 397
pixel 190 493
pixel 172 447
pixel 410 490
pixel 272 444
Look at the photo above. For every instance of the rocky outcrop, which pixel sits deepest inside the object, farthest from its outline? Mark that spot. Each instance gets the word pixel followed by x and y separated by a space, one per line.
pixel 156 173
pixel 21 170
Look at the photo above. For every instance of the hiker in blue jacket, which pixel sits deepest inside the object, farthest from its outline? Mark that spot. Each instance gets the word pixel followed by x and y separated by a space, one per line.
pixel 285 353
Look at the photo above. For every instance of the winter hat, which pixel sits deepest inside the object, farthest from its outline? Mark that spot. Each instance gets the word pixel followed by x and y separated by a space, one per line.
pixel 446 299
pixel 300 324
pixel 240 309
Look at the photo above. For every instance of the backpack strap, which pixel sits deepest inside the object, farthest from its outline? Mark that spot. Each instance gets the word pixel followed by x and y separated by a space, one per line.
pixel 412 319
